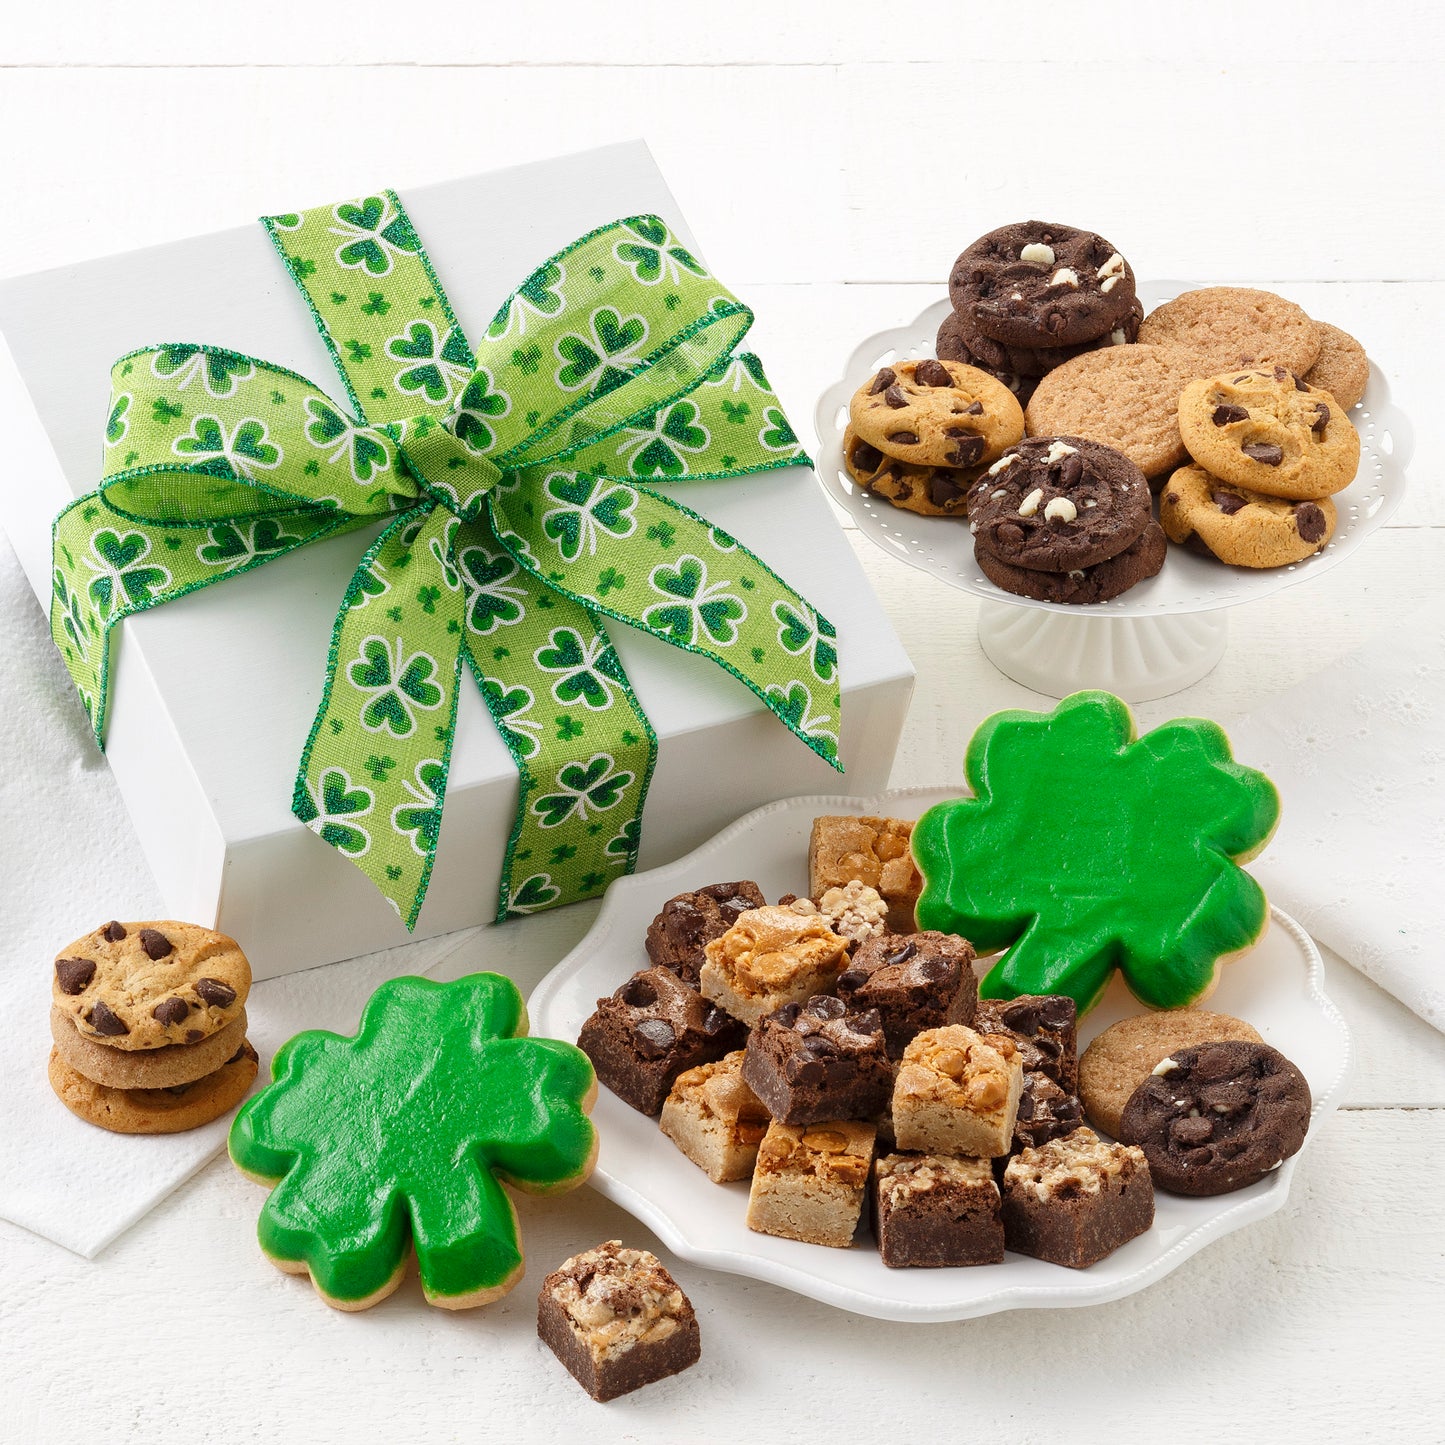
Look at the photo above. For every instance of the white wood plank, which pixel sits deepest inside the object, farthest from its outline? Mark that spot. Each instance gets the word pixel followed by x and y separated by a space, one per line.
pixel 1316 1321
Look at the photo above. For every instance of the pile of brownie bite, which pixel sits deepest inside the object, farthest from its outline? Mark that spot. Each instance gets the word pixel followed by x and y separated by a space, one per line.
pixel 842 1060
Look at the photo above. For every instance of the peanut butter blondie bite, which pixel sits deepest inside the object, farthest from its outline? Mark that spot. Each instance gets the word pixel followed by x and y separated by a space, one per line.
pixel 716 1119
pixel 770 957
pixel 957 1092
pixel 810 1180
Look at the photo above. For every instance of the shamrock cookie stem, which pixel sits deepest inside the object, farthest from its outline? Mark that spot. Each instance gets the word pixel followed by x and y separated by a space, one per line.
pixel 402 1135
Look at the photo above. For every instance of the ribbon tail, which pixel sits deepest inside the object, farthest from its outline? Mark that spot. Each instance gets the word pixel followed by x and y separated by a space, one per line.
pixel 107 566
pixel 654 564
pixel 562 703
pixel 372 778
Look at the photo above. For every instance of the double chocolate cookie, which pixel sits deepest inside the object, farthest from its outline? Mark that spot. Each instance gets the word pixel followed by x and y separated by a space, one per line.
pixel 1036 284
pixel 1217 1117
pixel 1084 585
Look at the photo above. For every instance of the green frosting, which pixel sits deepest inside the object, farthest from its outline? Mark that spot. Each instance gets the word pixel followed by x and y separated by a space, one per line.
pixel 402 1132
pixel 1084 850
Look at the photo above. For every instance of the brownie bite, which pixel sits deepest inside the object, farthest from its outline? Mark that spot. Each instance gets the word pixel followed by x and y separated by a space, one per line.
pixel 957 1093
pixel 651 1030
pixel 932 1211
pixel 1076 1199
pixel 617 1320
pixel 1045 1027
pixel 715 1119
pixel 676 937
pixel 874 851
pixel 809 1182
pixel 817 1061
pixel 916 981
pixel 1045 1112
pixel 769 957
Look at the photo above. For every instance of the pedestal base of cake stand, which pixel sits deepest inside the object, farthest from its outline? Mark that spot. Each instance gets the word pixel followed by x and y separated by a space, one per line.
pixel 1138 658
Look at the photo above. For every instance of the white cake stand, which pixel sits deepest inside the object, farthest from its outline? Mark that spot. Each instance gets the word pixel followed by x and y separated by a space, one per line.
pixel 1161 635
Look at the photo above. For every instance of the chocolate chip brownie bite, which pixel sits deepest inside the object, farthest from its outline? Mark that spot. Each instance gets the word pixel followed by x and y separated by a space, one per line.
pixel 1243 528
pixel 936 414
pixel 1038 284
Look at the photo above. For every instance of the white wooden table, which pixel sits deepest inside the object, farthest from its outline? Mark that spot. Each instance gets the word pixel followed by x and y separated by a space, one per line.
pixel 833 166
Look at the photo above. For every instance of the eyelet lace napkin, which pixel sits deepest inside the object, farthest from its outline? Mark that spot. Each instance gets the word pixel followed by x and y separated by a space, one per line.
pixel 1358 755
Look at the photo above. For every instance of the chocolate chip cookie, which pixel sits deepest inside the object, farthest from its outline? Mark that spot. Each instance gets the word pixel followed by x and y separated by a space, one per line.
pixel 936 414
pixel 1243 528
pixel 1122 1057
pixel 1217 1117
pixel 1126 397
pixel 1099 583
pixel 155 1111
pixel 928 491
pixel 1267 431
pixel 162 1068
pixel 1037 284
pixel 1058 504
pixel 1235 326
pixel 144 985
pixel 1342 368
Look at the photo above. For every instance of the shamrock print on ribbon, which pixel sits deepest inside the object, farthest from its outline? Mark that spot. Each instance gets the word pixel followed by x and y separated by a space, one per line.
pixel 332 807
pixel 810 636
pixel 656 254
pixel 696 607
pixel 591 509
pixel 374 233
pixel 511 530
pixel 597 784
pixel 400 685
pixel 373 1146
pixel 243 448
pixel 604 358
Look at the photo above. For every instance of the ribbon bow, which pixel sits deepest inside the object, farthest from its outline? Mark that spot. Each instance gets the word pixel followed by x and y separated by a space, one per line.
pixel 510 480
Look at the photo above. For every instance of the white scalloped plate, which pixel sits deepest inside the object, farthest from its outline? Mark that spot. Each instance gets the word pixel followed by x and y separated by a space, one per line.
pixel 943 547
pixel 1278 987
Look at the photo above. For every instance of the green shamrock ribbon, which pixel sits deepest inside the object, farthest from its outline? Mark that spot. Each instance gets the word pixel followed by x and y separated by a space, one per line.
pixel 511 482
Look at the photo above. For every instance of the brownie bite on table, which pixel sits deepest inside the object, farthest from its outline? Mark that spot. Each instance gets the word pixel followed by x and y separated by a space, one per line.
pixel 916 981
pixel 816 1061
pixel 676 937
pixel 931 1211
pixel 652 1029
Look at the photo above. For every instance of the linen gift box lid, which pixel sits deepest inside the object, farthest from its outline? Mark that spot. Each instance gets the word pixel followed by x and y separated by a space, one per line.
pixel 212 694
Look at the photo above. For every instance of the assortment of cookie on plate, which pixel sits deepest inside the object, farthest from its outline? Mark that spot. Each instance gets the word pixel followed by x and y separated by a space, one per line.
pixel 1056 405
pixel 842 1054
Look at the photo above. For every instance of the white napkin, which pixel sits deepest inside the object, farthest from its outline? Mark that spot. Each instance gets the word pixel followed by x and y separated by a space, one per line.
pixel 68 861
pixel 1358 755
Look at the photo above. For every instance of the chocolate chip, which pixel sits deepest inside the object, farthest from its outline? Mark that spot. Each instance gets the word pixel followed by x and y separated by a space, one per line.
pixel 1055 322
pixel 1300 385
pixel 824 1006
pixel 1022 1018
pixel 104 1022
pixel 903 954
pixel 637 992
pixel 1229 502
pixel 932 970
pixel 154 944
pixel 1309 521
pixel 895 398
pixel 74 974
pixel 883 381
pixel 112 932
pixel 974 408
pixel 943 492
pixel 1322 418
pixel 1071 470
pixel 170 1010
pixel 653 1037
pixel 820 1047
pixel 932 373
pixel 1011 535
pixel 715 1020
pixel 904 438
pixel 1191 1133
pixel 788 1014
pixel 194 1036
pixel 1223 415
pixel 1266 453
pixel 967 450
pixel 215 993
pixel 866 458
pixel 239 1054
pixel 1172 498
pixel 1056 1011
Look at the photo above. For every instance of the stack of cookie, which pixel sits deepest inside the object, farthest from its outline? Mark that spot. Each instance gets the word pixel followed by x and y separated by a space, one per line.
pixel 1031 296
pixel 1269 450
pixel 149 1027
pixel 920 432
pixel 1062 519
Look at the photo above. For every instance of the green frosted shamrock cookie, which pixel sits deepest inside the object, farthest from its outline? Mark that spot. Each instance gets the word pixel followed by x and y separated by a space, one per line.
pixel 1086 849
pixel 403 1133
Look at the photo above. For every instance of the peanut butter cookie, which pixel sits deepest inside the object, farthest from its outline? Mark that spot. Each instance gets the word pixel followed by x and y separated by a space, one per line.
pixel 936 414
pixel 1243 528
pixel 1270 432
pixel 1228 326
pixel 145 985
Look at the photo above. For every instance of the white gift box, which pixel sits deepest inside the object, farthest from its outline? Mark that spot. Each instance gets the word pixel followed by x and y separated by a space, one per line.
pixel 212 694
